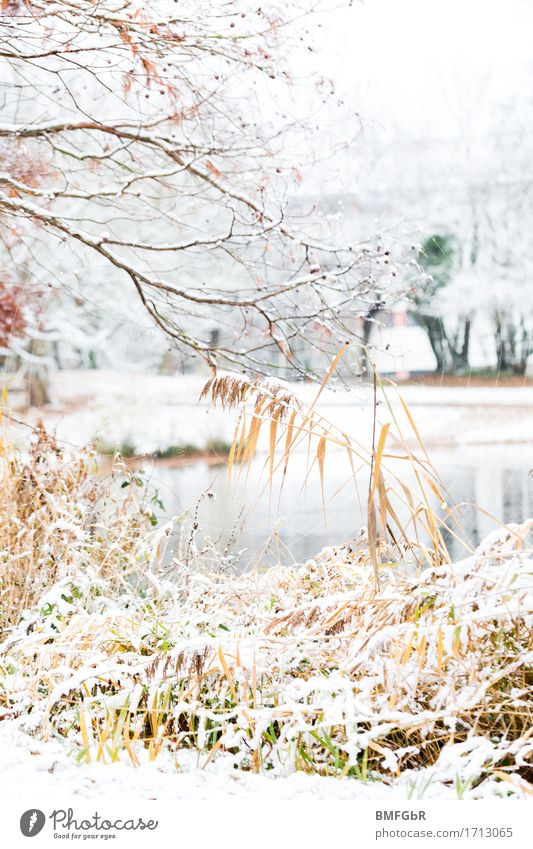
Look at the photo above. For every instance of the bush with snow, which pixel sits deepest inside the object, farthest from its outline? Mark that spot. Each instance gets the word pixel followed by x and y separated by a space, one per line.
pixel 306 667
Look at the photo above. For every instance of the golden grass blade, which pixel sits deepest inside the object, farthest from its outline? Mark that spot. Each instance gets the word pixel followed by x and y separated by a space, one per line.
pixel 512 532
pixel 213 752
pixel 421 651
pixel 251 442
pixel 86 737
pixel 242 439
pixel 320 456
pixel 253 433
pixel 227 673
pixel 330 371
pixel 378 457
pixel 515 781
pixel 372 541
pixel 440 649
pixel 232 450
pixel 288 440
pixel 406 650
pixel 414 427
pixel 127 742
pixel 434 489
pixel 383 501
pixel 273 430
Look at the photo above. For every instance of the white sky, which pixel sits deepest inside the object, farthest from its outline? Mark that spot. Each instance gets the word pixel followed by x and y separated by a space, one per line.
pixel 413 58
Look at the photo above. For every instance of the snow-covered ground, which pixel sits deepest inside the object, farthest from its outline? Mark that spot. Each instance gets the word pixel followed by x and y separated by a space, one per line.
pixel 152 411
pixel 43 769
pixel 155 411
pixel 393 675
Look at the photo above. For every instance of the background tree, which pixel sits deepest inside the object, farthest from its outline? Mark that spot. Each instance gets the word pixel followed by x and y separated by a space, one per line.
pixel 465 176
pixel 165 149
pixel 449 345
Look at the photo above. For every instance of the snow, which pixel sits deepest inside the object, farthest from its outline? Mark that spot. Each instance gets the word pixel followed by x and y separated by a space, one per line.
pixel 44 769
pixel 116 407
pixel 388 651
pixel 368 690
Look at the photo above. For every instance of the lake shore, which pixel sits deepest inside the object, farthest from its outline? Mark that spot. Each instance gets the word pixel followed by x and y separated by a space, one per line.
pixel 115 408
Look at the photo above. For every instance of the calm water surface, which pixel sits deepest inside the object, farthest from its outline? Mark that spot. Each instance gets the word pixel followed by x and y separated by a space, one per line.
pixel 269 527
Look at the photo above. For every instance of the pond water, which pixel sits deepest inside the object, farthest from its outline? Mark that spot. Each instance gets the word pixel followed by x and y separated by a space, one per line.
pixel 269 527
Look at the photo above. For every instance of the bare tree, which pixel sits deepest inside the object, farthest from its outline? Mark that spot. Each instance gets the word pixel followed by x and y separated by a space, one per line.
pixel 154 145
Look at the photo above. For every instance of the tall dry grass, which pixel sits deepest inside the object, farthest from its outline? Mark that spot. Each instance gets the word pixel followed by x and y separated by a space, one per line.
pixel 402 520
pixel 347 665
pixel 61 525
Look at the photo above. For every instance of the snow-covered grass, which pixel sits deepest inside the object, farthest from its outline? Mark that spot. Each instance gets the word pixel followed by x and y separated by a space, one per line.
pixel 42 769
pixel 120 666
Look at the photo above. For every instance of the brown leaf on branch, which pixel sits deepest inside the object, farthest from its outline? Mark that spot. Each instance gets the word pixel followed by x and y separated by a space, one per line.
pixel 13 299
pixel 213 168
pixel 12 7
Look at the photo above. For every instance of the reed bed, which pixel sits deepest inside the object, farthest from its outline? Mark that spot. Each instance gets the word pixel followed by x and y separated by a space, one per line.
pixel 377 659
